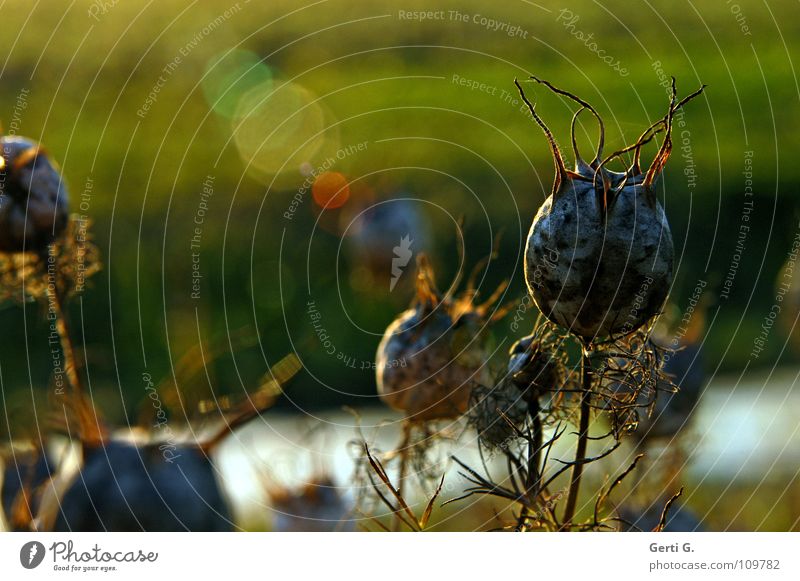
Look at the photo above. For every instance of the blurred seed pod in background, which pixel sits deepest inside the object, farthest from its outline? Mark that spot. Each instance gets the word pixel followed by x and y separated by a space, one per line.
pixel 665 403
pixel 319 506
pixel 679 519
pixel 381 238
pixel 433 354
pixel 33 197
pixel 126 487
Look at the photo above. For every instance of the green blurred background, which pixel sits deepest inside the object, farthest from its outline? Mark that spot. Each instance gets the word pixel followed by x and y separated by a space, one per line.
pixel 144 103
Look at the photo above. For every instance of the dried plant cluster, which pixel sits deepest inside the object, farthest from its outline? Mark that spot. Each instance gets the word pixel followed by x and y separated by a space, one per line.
pixel 599 262
pixel 599 266
pixel 65 265
pixel 145 477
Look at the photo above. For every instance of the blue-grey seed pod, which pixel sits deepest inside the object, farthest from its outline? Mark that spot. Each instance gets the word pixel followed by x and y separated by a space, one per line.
pixel 599 254
pixel 434 353
pixel 33 196
pixel 126 488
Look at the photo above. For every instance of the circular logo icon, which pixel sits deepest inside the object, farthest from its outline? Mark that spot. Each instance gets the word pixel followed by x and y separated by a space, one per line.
pixel 31 554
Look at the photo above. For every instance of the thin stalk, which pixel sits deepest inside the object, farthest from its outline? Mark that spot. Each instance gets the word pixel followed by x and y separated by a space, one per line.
pixel 536 459
pixel 404 453
pixel 62 328
pixel 583 439
pixel 533 477
pixel 89 430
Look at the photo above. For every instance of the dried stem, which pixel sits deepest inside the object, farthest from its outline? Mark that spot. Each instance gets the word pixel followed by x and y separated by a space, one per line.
pixel 561 170
pixel 583 439
pixel 601 139
pixel 662 522
pixel 403 450
pixel 89 429
pixel 62 327
pixel 533 474
pixel 535 458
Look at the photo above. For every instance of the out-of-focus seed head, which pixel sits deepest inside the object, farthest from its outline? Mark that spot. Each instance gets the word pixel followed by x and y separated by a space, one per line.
pixel 319 506
pixel 534 369
pixel 124 486
pixel 433 354
pixel 535 366
pixel 599 254
pixel 33 196
pixel 497 413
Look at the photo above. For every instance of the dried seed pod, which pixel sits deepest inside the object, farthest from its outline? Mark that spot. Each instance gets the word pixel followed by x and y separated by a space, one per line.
pixel 496 412
pixel 432 355
pixel 599 253
pixel 534 369
pixel 33 196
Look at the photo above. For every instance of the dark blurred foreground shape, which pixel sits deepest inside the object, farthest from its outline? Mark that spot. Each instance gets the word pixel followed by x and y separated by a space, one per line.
pixel 679 520
pixel 23 476
pixel 122 487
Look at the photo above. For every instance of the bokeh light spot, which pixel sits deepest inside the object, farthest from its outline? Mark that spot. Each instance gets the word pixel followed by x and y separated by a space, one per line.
pixel 228 76
pixel 330 190
pixel 278 126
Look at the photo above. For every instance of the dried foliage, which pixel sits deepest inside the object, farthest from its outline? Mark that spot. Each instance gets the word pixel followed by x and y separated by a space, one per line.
pixel 391 497
pixel 64 266
pixel 528 410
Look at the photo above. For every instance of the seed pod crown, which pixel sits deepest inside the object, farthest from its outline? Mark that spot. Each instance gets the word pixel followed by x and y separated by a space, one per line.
pixel 432 354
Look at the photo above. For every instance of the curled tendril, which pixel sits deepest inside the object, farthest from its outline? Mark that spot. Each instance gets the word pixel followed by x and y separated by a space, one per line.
pixel 597 167
pixel 601 138
pixel 657 166
pixel 561 170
